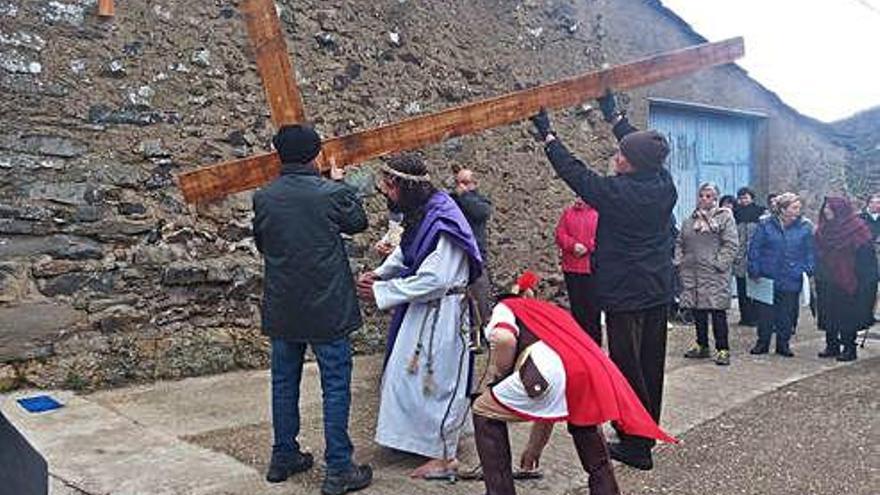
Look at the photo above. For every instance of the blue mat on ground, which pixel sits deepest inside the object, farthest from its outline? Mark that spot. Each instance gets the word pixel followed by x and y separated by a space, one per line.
pixel 39 403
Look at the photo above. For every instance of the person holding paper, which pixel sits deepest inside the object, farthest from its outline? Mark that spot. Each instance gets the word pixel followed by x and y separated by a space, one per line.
pixel 782 251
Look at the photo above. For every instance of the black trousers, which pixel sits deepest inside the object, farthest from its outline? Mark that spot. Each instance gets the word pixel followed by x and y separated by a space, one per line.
pixel 846 337
pixel 637 344
pixel 748 309
pixel 778 318
pixel 581 297
pixel 719 327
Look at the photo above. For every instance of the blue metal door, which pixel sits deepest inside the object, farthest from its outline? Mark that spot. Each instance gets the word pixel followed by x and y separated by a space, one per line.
pixel 706 146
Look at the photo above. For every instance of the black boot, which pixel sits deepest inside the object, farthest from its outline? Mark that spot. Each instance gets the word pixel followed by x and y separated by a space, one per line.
pixel 593 453
pixel 356 478
pixel 633 452
pixel 849 346
pixel 783 349
pixel 281 468
pixel 493 448
pixel 829 352
pixel 832 345
pixel 760 348
pixel 848 354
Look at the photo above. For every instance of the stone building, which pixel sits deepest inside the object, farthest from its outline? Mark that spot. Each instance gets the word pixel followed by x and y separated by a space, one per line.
pixel 106 276
pixel 725 126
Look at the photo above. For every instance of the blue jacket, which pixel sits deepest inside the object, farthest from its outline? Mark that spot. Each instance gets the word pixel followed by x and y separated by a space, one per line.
pixel 783 255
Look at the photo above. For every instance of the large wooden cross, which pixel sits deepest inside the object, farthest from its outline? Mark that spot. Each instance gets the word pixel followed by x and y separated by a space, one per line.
pixel 275 69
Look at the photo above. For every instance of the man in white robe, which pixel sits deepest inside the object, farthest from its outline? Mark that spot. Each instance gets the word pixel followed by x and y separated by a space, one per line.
pixel 424 401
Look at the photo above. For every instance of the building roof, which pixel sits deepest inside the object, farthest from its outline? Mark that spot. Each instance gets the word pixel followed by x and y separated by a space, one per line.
pixel 670 14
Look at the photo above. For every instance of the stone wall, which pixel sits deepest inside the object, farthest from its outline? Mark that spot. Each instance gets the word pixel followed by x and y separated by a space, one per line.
pixel 795 153
pixel 108 277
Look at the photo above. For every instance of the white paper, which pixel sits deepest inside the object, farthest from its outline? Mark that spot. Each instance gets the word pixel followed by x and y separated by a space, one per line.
pixel 806 292
pixel 760 289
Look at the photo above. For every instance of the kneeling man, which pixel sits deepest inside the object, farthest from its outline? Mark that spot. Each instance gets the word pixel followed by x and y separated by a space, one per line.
pixel 545 369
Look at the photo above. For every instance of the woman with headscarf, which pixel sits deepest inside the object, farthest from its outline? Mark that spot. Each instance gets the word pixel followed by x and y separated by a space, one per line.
pixel 704 254
pixel 846 277
pixel 782 251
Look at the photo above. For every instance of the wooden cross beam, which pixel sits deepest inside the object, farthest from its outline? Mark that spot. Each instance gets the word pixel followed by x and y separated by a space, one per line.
pixel 273 62
pixel 106 8
pixel 216 181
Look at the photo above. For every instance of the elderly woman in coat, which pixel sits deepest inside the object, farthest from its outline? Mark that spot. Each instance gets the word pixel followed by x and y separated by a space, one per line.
pixel 704 254
pixel 781 250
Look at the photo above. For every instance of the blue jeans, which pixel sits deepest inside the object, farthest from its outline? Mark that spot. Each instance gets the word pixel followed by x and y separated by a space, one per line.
pixel 334 364
pixel 778 318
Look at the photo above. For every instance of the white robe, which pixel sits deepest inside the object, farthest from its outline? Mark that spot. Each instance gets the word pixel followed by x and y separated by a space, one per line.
pixel 409 418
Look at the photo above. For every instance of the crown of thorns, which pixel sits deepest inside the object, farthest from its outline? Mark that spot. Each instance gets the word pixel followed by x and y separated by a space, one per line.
pixel 402 175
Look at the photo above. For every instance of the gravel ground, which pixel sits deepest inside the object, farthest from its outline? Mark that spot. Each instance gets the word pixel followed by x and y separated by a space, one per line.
pixel 818 436
pixel 742 452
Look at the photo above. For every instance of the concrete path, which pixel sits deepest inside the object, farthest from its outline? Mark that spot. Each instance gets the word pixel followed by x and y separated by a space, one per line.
pixel 211 435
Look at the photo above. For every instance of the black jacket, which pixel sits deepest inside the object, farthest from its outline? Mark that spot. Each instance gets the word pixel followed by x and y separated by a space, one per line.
pixel 633 257
pixel 477 209
pixel 308 287
pixel 873 224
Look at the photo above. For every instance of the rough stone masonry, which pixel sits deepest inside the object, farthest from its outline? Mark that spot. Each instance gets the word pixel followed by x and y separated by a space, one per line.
pixel 107 277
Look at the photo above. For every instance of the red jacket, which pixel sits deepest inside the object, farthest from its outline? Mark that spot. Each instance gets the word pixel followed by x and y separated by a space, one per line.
pixel 577 225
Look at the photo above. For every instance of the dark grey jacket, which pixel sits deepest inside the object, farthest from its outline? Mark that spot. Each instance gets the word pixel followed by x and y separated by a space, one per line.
pixel 477 209
pixel 308 287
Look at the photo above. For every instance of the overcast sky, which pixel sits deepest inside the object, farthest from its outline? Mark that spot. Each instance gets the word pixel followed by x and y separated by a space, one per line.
pixel 821 56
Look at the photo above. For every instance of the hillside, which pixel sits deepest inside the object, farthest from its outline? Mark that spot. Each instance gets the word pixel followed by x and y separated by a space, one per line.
pixel 860 134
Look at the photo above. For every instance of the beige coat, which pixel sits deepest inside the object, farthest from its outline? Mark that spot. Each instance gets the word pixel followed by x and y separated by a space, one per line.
pixel 705 262
pixel 741 263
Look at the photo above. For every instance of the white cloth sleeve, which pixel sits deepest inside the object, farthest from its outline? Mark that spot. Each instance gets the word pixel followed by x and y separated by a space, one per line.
pixel 392 265
pixel 502 321
pixel 435 276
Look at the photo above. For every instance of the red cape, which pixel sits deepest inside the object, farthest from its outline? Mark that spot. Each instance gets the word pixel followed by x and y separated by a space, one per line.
pixel 596 391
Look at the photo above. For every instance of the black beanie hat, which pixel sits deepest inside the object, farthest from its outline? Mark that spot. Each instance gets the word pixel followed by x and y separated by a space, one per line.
pixel 645 149
pixel 297 144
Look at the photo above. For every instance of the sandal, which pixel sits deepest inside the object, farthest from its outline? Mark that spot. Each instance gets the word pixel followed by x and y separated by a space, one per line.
pixel 450 475
pixel 475 474
pixel 528 474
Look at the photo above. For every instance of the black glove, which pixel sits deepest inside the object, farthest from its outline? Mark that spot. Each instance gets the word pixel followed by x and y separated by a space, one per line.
pixel 542 124
pixel 608 106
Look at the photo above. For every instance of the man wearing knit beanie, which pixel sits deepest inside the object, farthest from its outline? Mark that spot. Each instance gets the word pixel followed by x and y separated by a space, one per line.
pixel 309 300
pixel 645 150
pixel 633 257
pixel 297 144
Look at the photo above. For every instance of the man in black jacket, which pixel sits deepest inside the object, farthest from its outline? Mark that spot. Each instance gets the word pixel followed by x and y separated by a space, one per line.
pixel 871 216
pixel 477 209
pixel 309 298
pixel 632 262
